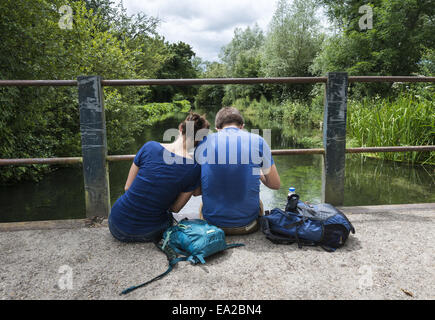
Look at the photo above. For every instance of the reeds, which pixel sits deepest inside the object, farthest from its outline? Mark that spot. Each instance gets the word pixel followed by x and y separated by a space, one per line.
pixel 408 120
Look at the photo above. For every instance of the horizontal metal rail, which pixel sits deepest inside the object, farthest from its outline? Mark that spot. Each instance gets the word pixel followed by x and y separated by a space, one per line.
pixel 127 157
pixel 391 149
pixel 181 82
pixel 390 79
pixel 37 83
pixel 298 151
pixel 64 160
pixel 148 82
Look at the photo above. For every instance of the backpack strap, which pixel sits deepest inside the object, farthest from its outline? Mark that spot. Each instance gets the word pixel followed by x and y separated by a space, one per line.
pixel 282 239
pixel 171 255
pixel 172 263
pixel 234 245
pixel 273 237
pixel 194 259
pixel 327 248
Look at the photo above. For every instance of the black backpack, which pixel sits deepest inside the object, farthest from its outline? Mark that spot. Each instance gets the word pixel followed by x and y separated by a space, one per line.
pixel 321 224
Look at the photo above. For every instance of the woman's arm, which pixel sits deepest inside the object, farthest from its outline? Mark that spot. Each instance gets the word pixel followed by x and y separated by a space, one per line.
pixel 134 169
pixel 181 201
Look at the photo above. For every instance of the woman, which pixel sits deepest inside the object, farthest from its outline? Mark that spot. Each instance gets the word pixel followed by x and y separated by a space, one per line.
pixel 161 180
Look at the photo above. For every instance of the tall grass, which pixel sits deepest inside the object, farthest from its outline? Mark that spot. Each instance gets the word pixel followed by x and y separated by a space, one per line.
pixel 407 120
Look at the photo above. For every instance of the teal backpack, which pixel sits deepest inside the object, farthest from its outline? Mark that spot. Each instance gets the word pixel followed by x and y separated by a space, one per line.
pixel 194 239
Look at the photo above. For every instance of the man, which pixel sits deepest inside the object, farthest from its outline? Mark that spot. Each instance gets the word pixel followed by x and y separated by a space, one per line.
pixel 233 162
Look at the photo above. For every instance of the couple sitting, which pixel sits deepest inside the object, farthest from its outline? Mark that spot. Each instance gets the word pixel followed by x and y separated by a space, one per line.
pixel 226 169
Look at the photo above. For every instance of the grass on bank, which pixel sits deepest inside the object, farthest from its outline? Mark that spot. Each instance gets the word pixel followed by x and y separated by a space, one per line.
pixel 407 120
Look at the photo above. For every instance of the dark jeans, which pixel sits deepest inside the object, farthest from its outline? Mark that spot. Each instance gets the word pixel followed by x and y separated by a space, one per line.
pixel 148 237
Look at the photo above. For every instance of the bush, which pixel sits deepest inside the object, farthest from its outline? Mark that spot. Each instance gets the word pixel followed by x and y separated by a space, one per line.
pixel 125 121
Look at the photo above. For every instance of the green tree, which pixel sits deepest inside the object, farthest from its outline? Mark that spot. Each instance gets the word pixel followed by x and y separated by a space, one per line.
pixel 209 95
pixel 178 64
pixel 44 122
pixel 242 58
pixel 292 42
pixel 402 32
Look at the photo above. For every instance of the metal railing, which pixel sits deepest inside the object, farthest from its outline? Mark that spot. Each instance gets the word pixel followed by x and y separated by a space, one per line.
pixel 203 81
pixel 94 143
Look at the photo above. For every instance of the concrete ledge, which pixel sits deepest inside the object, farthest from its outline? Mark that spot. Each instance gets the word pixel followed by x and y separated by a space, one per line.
pixel 98 222
pixel 391 256
pixel 52 224
pixel 390 208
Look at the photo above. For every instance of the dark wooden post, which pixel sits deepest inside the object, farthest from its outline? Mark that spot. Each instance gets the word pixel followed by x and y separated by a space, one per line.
pixel 94 146
pixel 334 138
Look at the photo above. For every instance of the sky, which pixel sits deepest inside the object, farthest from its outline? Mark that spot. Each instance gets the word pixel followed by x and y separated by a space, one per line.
pixel 207 25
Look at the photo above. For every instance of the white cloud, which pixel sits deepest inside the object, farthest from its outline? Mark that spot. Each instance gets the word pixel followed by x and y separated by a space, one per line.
pixel 204 24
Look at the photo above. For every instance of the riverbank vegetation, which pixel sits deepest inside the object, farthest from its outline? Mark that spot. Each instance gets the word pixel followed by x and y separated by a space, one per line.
pixel 104 40
pixel 407 120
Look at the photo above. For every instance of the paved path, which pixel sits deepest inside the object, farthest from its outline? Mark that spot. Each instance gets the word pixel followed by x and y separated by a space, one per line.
pixel 391 256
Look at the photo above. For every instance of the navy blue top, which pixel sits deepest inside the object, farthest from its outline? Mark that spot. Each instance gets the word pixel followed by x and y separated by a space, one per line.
pixel 162 176
pixel 230 176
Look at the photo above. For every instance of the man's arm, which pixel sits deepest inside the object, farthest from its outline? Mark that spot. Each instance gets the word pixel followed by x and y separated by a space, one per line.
pixel 134 169
pixel 270 178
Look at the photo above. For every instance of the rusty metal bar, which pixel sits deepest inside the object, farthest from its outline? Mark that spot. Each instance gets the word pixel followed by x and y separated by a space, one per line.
pixel 278 152
pixel 37 83
pixel 70 160
pixel 147 82
pixel 391 149
pixel 117 158
pixel 390 79
pixel 276 80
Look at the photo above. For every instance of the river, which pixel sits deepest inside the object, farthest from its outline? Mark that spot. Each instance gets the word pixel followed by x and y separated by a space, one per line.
pixel 60 195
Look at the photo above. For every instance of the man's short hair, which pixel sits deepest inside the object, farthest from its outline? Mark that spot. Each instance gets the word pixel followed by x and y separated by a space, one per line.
pixel 228 115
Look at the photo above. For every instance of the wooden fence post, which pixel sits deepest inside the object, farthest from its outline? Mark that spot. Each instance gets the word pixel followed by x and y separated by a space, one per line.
pixel 334 138
pixel 94 146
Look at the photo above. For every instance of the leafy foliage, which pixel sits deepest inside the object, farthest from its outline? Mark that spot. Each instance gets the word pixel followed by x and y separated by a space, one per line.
pixel 105 41
pixel 402 32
